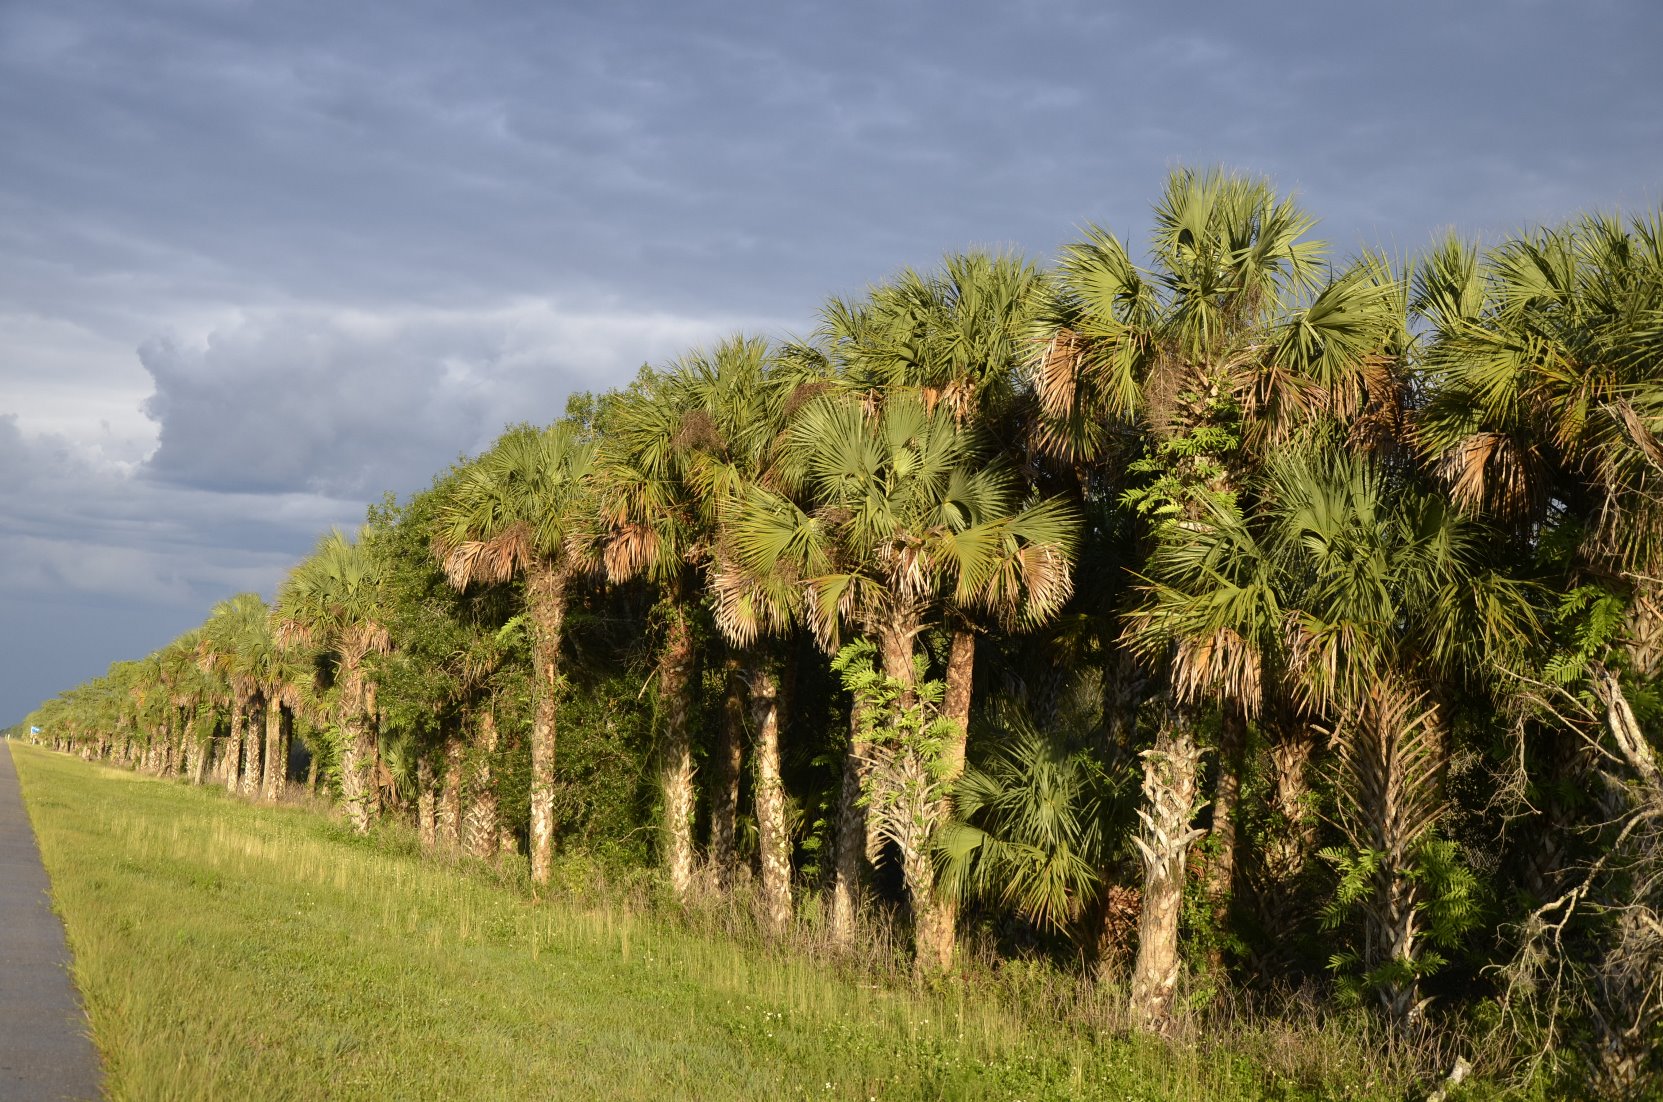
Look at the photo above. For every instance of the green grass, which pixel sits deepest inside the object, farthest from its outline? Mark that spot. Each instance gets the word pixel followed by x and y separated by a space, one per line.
pixel 228 951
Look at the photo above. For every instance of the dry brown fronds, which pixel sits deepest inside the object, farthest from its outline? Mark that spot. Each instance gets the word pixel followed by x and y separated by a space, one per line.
pixel 629 550
pixel 1220 662
pixel 1057 368
pixel 490 561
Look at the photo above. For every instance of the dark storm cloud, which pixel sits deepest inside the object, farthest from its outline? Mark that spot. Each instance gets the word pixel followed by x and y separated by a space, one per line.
pixel 265 261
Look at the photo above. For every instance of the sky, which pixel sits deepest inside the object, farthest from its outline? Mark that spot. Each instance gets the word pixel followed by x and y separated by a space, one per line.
pixel 262 263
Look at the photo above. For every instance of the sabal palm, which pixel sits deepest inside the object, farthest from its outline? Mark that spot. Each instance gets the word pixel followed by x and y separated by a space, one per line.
pixel 1232 341
pixel 239 643
pixel 901 516
pixel 684 445
pixel 1235 305
pixel 332 601
pixel 1545 377
pixel 1368 599
pixel 1033 825
pixel 191 695
pixel 521 511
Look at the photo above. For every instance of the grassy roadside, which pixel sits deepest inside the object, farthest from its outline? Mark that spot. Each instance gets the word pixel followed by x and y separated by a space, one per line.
pixel 232 951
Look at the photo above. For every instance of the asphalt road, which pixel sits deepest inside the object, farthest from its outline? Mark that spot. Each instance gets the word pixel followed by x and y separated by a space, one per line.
pixel 44 1050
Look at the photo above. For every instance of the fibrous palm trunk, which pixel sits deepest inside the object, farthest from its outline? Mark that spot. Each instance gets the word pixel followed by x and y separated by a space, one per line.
pixel 427 814
pixel 955 704
pixel 676 684
pixel 357 749
pixel 851 846
pixel 770 800
pixel 482 794
pixel 234 747
pixel 275 772
pixel 195 750
pixel 546 601
pixel 1390 765
pixel 913 803
pixel 728 760
pixel 940 917
pixel 1169 806
pixel 1221 863
pixel 253 742
pixel 449 826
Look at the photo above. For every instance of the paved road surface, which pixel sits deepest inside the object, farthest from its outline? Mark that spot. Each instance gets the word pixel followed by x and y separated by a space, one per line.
pixel 44 1050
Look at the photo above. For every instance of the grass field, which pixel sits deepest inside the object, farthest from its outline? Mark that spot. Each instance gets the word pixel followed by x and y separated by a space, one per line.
pixel 228 951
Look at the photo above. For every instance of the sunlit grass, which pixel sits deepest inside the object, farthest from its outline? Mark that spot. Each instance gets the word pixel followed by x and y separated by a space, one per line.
pixel 232 951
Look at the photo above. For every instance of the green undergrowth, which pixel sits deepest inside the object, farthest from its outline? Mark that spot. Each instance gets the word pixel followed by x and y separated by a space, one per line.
pixel 226 950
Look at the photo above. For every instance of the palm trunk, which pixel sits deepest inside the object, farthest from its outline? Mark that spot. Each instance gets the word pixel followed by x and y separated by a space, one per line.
pixel 1221 864
pixel 1290 758
pixel 277 762
pixel 857 836
pixel 937 915
pixel 253 741
pixel 357 748
pixel 851 835
pixel 482 795
pixel 354 787
pixel 285 753
pixel 449 826
pixel 955 705
pixel 546 601
pixel 427 815
pixel 234 747
pixel 724 799
pixel 918 804
pixel 675 685
pixel 1389 800
pixel 770 800
pixel 1169 795
pixel 193 750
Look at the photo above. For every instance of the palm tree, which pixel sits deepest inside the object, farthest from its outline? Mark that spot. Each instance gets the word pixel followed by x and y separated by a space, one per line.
pixel 652 528
pixel 1181 377
pixel 331 601
pixel 1545 373
pixel 237 639
pixel 517 512
pixel 683 447
pixel 1367 599
pixel 902 515
pixel 190 696
pixel 958 336
pixel 1034 825
pixel 1545 376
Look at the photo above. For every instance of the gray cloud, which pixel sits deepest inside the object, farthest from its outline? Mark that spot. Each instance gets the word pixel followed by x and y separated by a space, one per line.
pixel 266 261
pixel 351 403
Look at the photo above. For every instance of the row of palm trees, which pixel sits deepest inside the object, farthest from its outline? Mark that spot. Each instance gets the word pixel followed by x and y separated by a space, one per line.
pixel 1229 591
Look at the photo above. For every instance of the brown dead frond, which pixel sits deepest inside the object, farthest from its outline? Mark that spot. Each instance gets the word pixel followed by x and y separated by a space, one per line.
pixel 1493 471
pixel 630 550
pixel 1379 417
pixel 490 561
pixel 1056 368
pixel 1222 662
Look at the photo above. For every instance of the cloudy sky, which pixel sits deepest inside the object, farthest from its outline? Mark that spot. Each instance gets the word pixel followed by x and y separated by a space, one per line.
pixel 260 263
